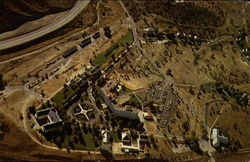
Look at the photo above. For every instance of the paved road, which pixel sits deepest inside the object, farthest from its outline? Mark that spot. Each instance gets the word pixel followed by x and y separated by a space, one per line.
pixel 77 9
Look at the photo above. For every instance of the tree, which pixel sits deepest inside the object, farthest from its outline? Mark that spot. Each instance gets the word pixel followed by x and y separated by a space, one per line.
pixel 107 32
pixel 169 72
pixel 21 117
pixel 65 87
pixel 2 82
pixel 32 110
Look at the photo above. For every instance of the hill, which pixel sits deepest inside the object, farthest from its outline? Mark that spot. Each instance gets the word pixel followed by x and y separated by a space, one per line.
pixel 14 13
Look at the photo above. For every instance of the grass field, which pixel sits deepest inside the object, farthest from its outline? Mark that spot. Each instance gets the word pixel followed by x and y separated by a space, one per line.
pixel 87 138
pixel 76 109
pixel 101 59
pixel 81 117
pixel 61 97
pixel 123 90
pixel 91 114
pixel 104 58
pixel 127 39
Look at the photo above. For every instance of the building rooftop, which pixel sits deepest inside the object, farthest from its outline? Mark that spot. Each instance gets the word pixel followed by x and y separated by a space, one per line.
pixel 126 136
pixel 106 136
pixel 48 118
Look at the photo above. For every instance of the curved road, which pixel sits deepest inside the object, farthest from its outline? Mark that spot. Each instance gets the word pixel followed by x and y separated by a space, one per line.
pixel 12 42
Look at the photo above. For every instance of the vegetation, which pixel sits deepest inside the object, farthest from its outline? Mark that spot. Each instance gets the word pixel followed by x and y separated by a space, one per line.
pixel 123 90
pixel 2 82
pixel 229 92
pixel 107 32
pixel 127 39
pixel 82 117
pixel 115 136
pixel 73 136
pixel 191 14
pixel 126 123
pixel 133 101
pixel 62 96
pixel 105 57
pixel 101 59
pixel 3 130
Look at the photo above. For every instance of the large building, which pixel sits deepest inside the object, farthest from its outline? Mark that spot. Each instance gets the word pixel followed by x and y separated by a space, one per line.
pixel 48 120
pixel 218 138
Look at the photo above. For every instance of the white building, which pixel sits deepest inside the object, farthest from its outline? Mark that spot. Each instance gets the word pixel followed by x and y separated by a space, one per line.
pixel 126 138
pixel 106 136
pixel 218 138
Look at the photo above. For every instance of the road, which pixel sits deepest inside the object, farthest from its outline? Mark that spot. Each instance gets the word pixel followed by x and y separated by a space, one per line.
pixel 92 100
pixel 12 42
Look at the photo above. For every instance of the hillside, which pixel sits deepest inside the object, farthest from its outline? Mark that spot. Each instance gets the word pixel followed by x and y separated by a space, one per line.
pixel 14 13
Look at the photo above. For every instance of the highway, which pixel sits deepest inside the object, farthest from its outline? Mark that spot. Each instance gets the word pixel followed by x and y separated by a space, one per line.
pixel 12 42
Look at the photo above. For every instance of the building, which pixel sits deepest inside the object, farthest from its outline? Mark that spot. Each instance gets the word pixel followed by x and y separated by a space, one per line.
pixel 218 138
pixel 128 108
pixel 85 42
pixel 128 149
pixel 148 116
pixel 94 71
pixel 126 138
pixel 69 52
pixel 104 106
pixel 96 35
pixel 106 136
pixel 48 120
pixel 143 138
pixel 111 107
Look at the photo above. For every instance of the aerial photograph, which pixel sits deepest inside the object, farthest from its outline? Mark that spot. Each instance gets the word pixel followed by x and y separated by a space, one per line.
pixel 125 80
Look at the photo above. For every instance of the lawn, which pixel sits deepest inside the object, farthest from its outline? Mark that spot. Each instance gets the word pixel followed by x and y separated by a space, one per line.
pixel 123 90
pixel 81 117
pixel 60 98
pixel 91 114
pixel 77 109
pixel 87 138
pixel 115 136
pixel 134 99
pixel 104 58
pixel 140 98
pixel 127 39
pixel 101 59
pixel 86 106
